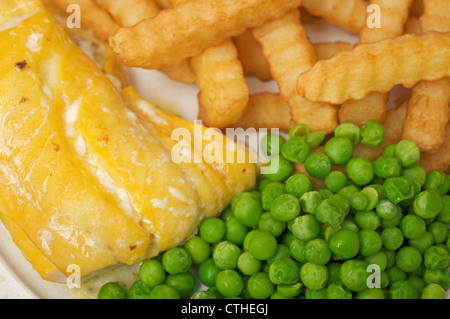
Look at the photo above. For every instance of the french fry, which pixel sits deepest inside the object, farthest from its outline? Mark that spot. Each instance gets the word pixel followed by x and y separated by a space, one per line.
pixel 224 92
pixel 373 106
pixel 413 26
pixel 439 160
pixel 266 110
pixel 93 16
pixel 348 14
pixel 129 12
pixel 289 52
pixel 326 50
pixel 191 27
pixel 378 66
pixel 428 109
pixel 250 54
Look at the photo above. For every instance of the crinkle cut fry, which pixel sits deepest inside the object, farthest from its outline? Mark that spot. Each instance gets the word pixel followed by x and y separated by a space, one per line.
pixel 210 23
pixel 428 108
pixel 380 66
pixel 373 107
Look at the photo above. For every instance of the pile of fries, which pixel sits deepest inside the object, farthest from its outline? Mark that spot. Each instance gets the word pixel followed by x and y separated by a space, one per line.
pixel 218 43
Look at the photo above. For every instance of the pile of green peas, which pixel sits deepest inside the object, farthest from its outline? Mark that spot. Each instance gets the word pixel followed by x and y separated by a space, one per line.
pixel 287 239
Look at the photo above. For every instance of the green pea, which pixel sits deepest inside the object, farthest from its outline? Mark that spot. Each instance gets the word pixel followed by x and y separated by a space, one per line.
pixel 318 165
pixel 367 219
pixel 386 209
pixel 152 272
pixel 314 276
pixel 412 226
pixel 427 204
pixel 317 251
pixel 270 192
pixel 398 189
pixel 299 129
pixel 284 271
pixel 394 221
pixel 285 207
pixel 229 283
pixel 333 271
pixel 433 291
pixel 289 291
pixel 202 294
pixel 296 150
pixel 309 201
pixel 262 245
pixel 348 191
pixel 259 286
pixel 112 290
pixel 353 274
pixel 333 210
pixel 282 251
pixel 403 289
pixel 423 242
pixel 235 231
pixel 198 248
pixel 297 250
pixel 263 183
pixel 226 254
pixel 396 274
pixel 184 283
pixel 139 290
pixel 417 282
pixel 339 150
pixel 248 264
pixel 314 139
pixel 379 258
pixel 416 173
pixel 408 258
pixel 370 242
pixel 389 150
pixel 271 225
pixel 305 227
pixel 207 272
pixel 335 181
pixel 360 170
pixel 349 130
pixel 164 292
pixel 315 294
pixel 373 196
pixel 392 238
pixel 212 230
pixel 350 224
pixel 372 134
pixel 438 276
pixel 370 293
pixel 436 258
pixel 386 166
pixel 272 143
pixel 298 184
pixel 248 211
pixel 227 214
pixel 439 231
pixel 337 290
pixel 437 181
pixel 278 169
pixel 407 152
pixel 359 201
pixel 345 244
pixel 176 260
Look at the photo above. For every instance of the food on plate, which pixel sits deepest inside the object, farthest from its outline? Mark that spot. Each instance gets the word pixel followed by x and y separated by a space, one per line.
pixel 171 40
pixel 428 108
pixel 370 67
pixel 373 107
pixel 373 229
pixel 88 177
pixel 289 53
pixel 348 14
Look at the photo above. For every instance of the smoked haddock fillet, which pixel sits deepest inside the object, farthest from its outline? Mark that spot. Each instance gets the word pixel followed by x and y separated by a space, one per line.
pixel 87 176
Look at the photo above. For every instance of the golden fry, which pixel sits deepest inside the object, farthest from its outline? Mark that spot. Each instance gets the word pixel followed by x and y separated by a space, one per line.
pixel 428 109
pixel 380 66
pixel 93 16
pixel 129 12
pixel 326 50
pixel 373 106
pixel 289 52
pixel 191 27
pixel 223 90
pixel 348 14
pixel 251 56
pixel 439 160
pixel 266 110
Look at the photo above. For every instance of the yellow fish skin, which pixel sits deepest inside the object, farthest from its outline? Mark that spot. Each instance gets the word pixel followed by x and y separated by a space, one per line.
pixel 86 174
